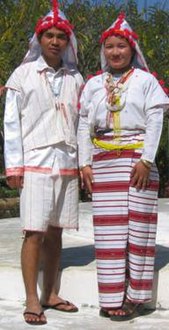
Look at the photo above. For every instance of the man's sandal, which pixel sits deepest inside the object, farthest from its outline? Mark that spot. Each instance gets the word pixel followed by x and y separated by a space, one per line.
pixel 34 318
pixel 62 307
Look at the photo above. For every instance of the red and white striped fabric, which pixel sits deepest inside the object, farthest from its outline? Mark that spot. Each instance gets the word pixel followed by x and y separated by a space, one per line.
pixel 125 222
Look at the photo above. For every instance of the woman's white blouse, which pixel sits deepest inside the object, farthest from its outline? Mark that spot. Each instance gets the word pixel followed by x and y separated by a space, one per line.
pixel 145 101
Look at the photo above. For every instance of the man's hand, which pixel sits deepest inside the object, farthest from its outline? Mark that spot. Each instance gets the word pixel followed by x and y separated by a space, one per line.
pixel 15 182
pixel 2 90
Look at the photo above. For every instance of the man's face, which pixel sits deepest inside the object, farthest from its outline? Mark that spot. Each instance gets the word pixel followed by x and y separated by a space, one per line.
pixel 53 44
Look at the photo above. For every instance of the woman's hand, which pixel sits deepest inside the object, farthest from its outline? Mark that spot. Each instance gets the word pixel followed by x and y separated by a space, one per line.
pixel 140 176
pixel 15 182
pixel 87 177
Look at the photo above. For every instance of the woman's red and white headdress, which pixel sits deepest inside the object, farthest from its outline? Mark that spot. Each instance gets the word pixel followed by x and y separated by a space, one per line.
pixel 57 19
pixel 121 28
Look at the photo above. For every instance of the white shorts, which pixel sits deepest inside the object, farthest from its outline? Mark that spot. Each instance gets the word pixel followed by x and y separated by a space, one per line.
pixel 47 200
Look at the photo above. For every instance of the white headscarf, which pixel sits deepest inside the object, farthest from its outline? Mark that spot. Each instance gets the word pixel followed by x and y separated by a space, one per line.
pixel 121 28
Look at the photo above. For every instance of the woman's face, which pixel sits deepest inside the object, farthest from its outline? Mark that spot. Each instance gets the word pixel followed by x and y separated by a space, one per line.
pixel 118 53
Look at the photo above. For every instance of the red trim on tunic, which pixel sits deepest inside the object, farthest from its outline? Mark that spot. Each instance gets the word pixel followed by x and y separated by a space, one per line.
pixel 38 169
pixel 19 171
pixel 46 170
pixel 72 172
pixel 14 171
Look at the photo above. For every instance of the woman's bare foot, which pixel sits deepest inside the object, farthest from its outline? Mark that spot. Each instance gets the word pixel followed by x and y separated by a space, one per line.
pixel 108 312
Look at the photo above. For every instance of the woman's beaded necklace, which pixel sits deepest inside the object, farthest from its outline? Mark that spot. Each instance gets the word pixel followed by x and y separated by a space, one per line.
pixel 115 90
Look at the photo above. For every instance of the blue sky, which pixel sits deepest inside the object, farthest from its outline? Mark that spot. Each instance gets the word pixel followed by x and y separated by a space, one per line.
pixel 163 4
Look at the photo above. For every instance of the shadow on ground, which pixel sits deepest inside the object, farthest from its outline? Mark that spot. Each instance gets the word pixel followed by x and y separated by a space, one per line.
pixel 162 257
pixel 83 255
pixel 77 256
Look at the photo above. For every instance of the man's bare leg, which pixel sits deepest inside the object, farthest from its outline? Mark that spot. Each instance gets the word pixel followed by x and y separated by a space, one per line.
pixel 52 246
pixel 30 255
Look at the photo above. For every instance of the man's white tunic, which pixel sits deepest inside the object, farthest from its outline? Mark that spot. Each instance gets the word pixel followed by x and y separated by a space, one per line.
pixel 40 125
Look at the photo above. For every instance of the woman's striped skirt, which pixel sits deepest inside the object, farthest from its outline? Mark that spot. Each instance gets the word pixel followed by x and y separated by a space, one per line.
pixel 125 222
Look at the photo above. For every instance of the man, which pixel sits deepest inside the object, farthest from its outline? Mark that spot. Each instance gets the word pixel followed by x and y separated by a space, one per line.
pixel 40 154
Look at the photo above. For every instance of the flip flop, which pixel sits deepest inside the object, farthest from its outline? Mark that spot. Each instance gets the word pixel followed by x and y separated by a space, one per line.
pixel 62 303
pixel 37 321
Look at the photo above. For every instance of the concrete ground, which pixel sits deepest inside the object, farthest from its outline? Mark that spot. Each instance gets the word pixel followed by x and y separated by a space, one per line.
pixel 78 280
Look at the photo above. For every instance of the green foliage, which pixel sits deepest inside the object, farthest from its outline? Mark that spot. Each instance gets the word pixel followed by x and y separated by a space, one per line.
pixel 18 18
pixel 163 158
pixel 16 25
pixel 5 191
pixel 90 18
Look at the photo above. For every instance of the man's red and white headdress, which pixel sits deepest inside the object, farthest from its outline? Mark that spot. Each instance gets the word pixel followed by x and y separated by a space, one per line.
pixel 55 18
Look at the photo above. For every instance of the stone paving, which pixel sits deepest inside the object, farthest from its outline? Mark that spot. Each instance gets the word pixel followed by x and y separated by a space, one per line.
pixel 78 280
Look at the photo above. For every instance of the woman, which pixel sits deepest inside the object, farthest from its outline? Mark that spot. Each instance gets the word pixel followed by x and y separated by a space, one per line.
pixel 120 125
